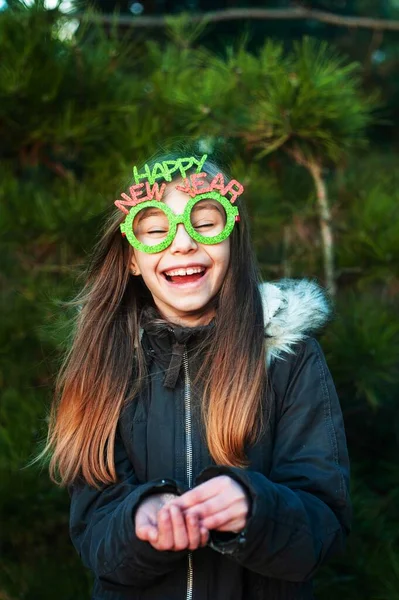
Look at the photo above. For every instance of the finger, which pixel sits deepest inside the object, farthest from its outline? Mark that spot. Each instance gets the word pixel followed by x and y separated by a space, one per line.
pixel 224 519
pixel 232 526
pixel 204 533
pixel 165 530
pixel 180 536
pixel 193 531
pixel 212 506
pixel 199 494
pixel 147 533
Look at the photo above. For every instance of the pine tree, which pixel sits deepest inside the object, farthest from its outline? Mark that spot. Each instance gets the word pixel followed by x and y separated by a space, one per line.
pixel 75 115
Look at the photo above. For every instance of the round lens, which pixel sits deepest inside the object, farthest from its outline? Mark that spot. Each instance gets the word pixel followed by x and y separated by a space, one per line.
pixel 151 226
pixel 208 217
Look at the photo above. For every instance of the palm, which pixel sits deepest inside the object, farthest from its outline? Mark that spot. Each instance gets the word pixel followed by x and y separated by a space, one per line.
pixel 148 510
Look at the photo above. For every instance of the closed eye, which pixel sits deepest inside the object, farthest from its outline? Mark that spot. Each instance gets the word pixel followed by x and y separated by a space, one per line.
pixel 204 225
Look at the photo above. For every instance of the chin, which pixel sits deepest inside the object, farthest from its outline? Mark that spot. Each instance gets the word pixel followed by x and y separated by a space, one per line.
pixel 191 308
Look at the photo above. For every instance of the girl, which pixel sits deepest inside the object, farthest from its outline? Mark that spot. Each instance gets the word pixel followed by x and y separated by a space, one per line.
pixel 196 424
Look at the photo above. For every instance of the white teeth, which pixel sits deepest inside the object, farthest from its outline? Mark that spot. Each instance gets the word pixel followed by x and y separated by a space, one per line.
pixel 188 271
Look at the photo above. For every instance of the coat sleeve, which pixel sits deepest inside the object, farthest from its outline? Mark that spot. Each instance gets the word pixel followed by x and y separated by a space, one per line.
pixel 300 514
pixel 103 533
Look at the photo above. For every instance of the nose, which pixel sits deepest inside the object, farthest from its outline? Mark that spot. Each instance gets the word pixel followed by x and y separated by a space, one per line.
pixel 183 242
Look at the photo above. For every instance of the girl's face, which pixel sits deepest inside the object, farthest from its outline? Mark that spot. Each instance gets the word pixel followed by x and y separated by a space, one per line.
pixel 182 297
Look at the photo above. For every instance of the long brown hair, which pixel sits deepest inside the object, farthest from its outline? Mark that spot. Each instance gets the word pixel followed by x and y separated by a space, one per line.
pixel 99 376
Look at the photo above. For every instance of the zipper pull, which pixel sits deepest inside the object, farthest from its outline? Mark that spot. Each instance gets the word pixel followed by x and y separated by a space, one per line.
pixel 172 373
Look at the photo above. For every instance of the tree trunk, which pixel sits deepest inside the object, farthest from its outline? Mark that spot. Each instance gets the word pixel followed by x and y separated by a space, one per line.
pixel 325 225
pixel 287 271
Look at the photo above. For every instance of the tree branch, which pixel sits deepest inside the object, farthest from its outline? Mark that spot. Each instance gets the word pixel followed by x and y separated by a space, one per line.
pixel 234 14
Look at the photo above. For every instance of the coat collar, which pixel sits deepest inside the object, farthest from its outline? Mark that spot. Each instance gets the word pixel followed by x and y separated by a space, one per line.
pixel 293 310
pixel 166 342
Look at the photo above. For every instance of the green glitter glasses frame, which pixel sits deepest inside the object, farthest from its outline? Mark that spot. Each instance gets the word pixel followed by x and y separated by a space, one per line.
pixel 174 220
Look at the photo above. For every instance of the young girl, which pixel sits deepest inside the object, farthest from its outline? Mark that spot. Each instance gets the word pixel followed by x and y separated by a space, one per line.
pixel 197 426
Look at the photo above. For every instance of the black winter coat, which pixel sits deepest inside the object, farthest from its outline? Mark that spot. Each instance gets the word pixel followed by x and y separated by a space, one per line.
pixel 297 479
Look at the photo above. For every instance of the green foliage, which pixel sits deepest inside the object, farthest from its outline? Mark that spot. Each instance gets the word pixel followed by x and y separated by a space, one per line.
pixel 369 235
pixel 38 561
pixel 183 31
pixel 362 330
pixel 372 548
pixel 311 101
pixel 74 116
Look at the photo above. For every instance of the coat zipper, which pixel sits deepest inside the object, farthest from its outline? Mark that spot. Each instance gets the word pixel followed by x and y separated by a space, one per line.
pixel 189 461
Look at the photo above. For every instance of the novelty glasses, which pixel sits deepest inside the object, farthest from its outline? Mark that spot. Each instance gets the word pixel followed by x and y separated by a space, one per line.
pixel 151 226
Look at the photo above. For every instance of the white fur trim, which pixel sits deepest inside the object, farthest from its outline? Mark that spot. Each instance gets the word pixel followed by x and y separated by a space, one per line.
pixel 292 310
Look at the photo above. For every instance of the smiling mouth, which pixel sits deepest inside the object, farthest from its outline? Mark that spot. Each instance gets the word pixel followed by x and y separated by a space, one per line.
pixel 178 276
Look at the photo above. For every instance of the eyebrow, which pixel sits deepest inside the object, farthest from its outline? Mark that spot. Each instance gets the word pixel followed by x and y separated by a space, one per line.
pixel 207 207
pixel 150 213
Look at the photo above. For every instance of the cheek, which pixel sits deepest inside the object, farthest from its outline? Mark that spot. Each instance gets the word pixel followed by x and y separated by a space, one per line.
pixel 221 256
pixel 146 263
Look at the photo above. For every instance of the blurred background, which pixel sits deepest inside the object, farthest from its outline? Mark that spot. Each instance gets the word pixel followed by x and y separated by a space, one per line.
pixel 301 99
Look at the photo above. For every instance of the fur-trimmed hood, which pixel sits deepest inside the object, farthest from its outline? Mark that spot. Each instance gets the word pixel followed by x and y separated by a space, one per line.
pixel 293 309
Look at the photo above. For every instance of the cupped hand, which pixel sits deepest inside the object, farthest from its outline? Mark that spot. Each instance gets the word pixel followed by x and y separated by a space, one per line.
pixel 166 527
pixel 220 503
